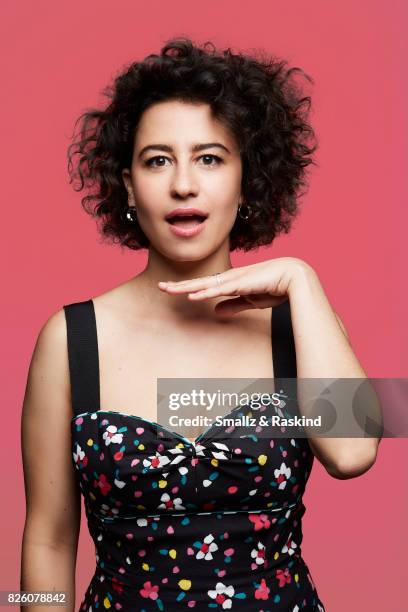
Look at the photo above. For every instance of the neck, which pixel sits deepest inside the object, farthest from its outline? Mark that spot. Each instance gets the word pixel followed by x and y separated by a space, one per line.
pixel 160 268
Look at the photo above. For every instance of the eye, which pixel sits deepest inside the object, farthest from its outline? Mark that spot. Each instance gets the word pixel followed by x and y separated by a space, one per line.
pixel 215 157
pixel 149 162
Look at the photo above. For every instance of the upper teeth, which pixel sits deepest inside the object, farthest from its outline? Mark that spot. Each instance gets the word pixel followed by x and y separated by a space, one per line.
pixel 186 216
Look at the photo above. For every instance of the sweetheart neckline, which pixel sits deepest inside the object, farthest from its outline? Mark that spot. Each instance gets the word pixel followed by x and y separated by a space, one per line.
pixel 154 423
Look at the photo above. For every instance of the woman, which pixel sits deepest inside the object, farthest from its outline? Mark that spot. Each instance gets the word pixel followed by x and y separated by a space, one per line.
pixel 198 153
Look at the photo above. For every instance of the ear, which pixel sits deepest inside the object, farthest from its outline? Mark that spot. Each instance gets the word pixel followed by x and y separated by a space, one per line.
pixel 127 181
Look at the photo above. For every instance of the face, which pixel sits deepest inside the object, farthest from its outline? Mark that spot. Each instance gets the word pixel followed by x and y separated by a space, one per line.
pixel 183 158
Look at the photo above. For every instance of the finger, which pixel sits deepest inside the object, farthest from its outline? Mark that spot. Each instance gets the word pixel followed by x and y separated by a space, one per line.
pixel 198 284
pixel 230 288
pixel 185 286
pixel 205 294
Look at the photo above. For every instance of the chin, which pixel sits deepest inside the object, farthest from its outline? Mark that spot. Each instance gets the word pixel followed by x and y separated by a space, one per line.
pixel 188 252
pixel 180 256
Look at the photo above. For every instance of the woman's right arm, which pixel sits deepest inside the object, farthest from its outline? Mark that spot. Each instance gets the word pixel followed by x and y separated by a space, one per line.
pixel 53 504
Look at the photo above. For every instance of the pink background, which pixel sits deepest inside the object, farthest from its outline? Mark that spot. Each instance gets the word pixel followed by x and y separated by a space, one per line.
pixel 56 58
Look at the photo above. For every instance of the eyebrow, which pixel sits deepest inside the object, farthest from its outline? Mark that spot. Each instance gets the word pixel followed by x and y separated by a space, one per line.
pixel 195 148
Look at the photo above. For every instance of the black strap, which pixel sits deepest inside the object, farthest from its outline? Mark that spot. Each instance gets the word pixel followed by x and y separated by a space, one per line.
pixel 83 356
pixel 283 343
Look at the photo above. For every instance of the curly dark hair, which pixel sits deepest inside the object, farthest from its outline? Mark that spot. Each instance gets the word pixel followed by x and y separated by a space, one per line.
pixel 258 99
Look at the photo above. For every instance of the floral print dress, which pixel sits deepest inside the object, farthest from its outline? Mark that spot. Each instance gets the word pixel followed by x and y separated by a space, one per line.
pixel 213 524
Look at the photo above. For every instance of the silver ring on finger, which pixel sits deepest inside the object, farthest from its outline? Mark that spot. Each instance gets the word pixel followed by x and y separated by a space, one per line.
pixel 217 278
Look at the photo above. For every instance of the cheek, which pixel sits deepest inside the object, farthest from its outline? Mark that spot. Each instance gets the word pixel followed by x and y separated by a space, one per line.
pixel 222 220
pixel 223 191
pixel 226 207
pixel 150 205
pixel 148 191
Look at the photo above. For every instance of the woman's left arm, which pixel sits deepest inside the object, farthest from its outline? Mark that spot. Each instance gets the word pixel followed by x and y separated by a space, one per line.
pixel 323 351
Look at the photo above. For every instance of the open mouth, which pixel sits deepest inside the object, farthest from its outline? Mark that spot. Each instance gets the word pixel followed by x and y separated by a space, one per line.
pixel 186 221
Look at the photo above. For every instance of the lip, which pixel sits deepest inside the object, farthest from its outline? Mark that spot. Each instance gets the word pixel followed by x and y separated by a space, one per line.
pixel 185 212
pixel 187 232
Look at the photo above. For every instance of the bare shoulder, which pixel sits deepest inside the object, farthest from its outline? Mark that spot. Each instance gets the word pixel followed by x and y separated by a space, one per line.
pixel 131 288
pixel 48 375
pixel 126 303
pixel 53 333
pixel 50 355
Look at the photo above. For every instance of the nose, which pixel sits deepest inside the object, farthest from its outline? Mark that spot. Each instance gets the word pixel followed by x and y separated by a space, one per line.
pixel 183 182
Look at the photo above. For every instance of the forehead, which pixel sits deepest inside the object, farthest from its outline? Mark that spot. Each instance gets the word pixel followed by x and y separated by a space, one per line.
pixel 177 121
